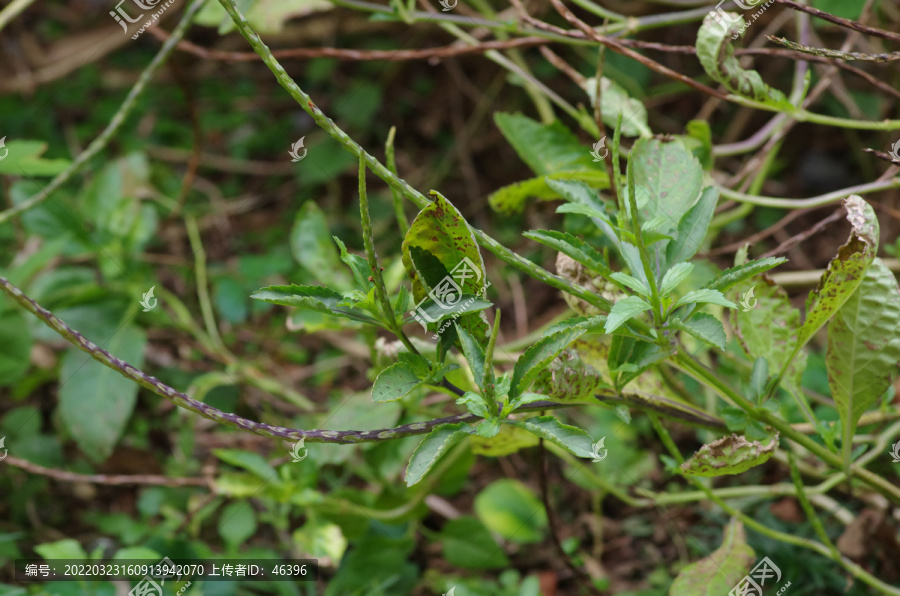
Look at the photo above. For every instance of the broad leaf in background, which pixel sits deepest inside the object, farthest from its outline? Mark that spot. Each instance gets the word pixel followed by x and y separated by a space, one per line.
pixel 432 448
pixel 863 348
pixel 95 401
pixel 549 428
pixel 845 272
pixel 15 356
pixel 265 16
pixel 511 199
pixel 237 523
pixel 24 159
pixel 769 331
pixel 671 178
pixel 730 455
pixel 629 358
pixel 314 248
pixel 394 382
pixel 614 101
pixel 718 573
pixel 692 227
pixel 468 544
pixel 510 509
pixel 716 54
pixel 545 148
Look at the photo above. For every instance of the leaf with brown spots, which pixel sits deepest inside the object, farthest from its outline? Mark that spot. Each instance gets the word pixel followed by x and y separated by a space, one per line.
pixel 864 347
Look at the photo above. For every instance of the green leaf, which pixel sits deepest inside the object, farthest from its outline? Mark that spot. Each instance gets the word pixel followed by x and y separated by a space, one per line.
pixel 735 275
pixel 730 455
pixel 704 327
pixel 469 545
pixel 614 101
pixel 432 448
pixel 569 379
pixel 574 247
pixel 313 247
pixel 237 523
pixel 509 508
pixel 716 54
pixel 675 276
pixel 715 575
pixel 623 311
pixel 769 330
pixel 539 356
pixel 24 159
pixel 15 357
pixel 632 257
pixel 692 227
pixel 864 348
pixel 356 263
pixel 549 428
pixel 759 378
pixel 545 148
pixel 845 272
pixel 671 177
pixel 580 194
pixel 315 298
pixel 635 285
pixel 254 463
pixel 394 382
pixel 705 296
pixel 68 548
pixel 95 401
pixel 467 304
pixel 440 251
pixel 698 141
pixel 629 357
pixel 474 354
pixel 511 199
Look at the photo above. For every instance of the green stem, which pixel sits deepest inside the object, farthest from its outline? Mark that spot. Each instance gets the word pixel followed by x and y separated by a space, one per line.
pixel 206 309
pixel 699 372
pixel 399 213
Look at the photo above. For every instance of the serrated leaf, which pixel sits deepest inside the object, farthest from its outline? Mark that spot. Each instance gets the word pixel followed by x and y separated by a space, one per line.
pixel 730 455
pixel 845 272
pixel 674 276
pixel 704 327
pixel 315 298
pixel 395 382
pixel 549 428
pixel 716 54
pixel 623 311
pixel 573 247
pixel 735 275
pixel 715 575
pixel 432 448
pixel 692 227
pixel 705 296
pixel 545 148
pixel 635 285
pixel 538 357
pixel 863 348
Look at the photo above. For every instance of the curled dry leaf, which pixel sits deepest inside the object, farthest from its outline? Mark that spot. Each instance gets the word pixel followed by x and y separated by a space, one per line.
pixel 730 455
